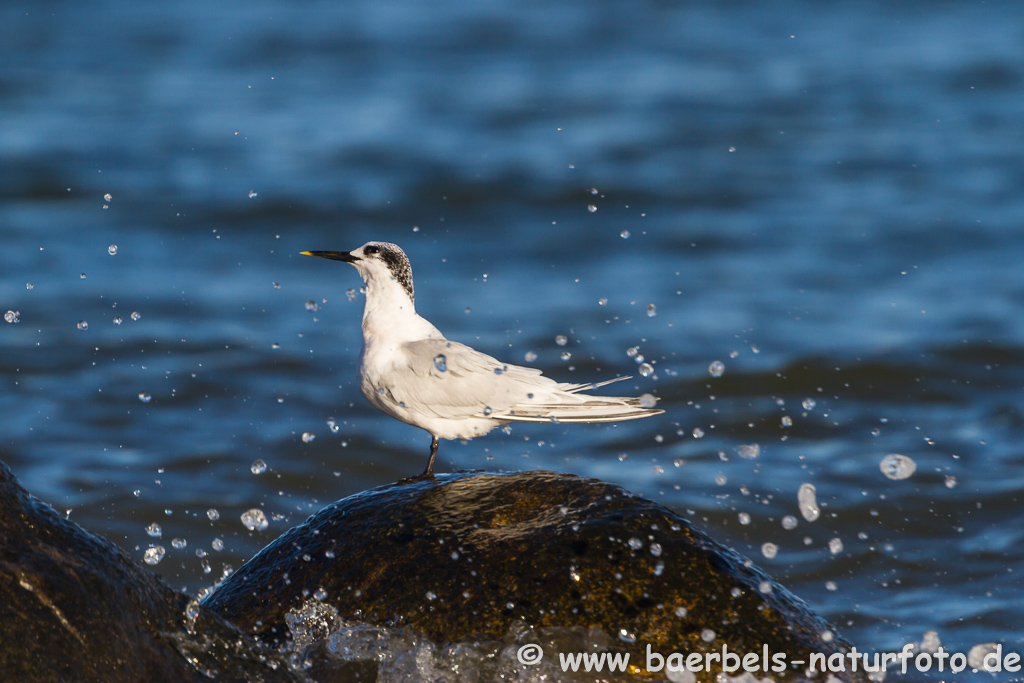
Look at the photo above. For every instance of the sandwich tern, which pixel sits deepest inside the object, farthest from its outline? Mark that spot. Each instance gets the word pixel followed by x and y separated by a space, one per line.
pixel 410 371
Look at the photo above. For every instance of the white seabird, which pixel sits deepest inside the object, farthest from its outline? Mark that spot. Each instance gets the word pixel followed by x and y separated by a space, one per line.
pixel 410 371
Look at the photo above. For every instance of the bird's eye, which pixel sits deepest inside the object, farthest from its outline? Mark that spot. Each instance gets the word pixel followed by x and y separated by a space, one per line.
pixel 369 251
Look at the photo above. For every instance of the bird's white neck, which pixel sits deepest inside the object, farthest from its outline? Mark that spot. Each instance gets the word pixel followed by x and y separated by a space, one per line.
pixel 389 312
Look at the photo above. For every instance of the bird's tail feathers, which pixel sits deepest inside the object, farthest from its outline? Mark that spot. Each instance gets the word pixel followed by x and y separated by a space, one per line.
pixel 598 409
pixel 576 388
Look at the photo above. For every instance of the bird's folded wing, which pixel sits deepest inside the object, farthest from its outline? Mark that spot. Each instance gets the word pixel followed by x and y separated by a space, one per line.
pixel 448 379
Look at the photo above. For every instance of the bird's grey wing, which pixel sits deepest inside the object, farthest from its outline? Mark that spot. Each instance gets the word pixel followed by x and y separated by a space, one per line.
pixel 448 379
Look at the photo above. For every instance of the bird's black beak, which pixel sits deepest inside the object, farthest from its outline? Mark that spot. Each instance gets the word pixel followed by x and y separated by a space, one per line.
pixel 345 256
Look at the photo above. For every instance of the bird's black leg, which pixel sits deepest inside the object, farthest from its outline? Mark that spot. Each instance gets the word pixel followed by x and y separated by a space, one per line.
pixel 429 472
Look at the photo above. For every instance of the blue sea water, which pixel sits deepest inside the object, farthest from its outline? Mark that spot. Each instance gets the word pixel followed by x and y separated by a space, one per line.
pixel 824 197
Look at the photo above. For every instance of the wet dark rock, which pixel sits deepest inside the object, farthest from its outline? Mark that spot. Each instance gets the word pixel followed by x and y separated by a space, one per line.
pixel 75 607
pixel 470 556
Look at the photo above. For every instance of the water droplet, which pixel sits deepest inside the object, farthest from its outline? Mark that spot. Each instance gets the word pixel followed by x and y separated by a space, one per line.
pixel 896 466
pixel 808 502
pixel 307 437
pixel 179 543
pixel 646 369
pixel 716 368
pixel 787 421
pixel 744 518
pixel 82 325
pixel 835 546
pixel 254 520
pixel 311 305
pixel 498 371
pixel 258 467
pixel 648 401
pixel 626 636
pixel 707 635
pixel 277 285
pixel 108 197
pixel 29 285
pixel 112 249
pixel 831 586
pixel 789 522
pixel 749 451
pixel 487 410
pixel 950 481
pixel 192 610
pixel 591 208
pixel 154 555
pixel 632 351
pixel 809 404
pixel 118 320
pixel 930 642
pixel 635 543
pixel 320 594
pixel 275 346
pixel 217 544
pixel 145 397
pixel 135 315
pixel 431 595
pixel 769 550
pixel 602 301
pixel 213 514
pixel 565 355
pixel 624 234
pixel 680 612
pixel 656 549
pixel 976 657
pixel 593 190
pixel 12 316
pixel 698 433
pixel 333 424
pixel 82 276
pixel 561 340
pixel 530 356
pixel 441 363
pixel 252 194
pixel 154 530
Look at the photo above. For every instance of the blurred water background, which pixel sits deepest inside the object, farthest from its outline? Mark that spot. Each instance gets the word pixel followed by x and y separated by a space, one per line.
pixel 826 198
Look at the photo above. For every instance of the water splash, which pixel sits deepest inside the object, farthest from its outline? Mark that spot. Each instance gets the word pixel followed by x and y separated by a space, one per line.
pixel 807 499
pixel 896 466
pixel 254 520
pixel 154 554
